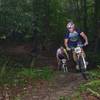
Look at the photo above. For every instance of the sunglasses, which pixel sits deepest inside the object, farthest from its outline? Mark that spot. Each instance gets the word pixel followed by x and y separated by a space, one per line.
pixel 69 27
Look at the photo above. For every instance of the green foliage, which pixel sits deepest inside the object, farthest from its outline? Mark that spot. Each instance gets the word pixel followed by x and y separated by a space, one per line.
pixel 76 96
pixel 17 70
pixel 9 76
pixel 16 15
pixel 48 17
pixel 44 73
pixel 94 74
pixel 64 98
pixel 94 82
pixel 91 86
pixel 19 76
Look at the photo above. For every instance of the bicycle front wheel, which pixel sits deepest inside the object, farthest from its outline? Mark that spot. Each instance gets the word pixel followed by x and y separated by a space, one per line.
pixel 82 65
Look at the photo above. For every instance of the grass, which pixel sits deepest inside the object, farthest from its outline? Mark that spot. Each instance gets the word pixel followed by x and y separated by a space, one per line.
pixel 94 74
pixel 94 82
pixel 93 85
pixel 18 76
pixel 14 72
pixel 45 73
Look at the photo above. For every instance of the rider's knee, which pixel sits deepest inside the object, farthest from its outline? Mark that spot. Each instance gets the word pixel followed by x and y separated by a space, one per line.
pixel 84 54
pixel 74 57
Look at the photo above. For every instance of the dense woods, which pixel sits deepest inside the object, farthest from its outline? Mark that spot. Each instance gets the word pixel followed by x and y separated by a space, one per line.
pixel 31 31
pixel 44 21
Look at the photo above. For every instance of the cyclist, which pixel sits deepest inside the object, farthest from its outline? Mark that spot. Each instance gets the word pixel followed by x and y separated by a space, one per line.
pixel 73 38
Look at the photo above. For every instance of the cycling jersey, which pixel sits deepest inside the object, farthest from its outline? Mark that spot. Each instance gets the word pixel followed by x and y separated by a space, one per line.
pixel 74 38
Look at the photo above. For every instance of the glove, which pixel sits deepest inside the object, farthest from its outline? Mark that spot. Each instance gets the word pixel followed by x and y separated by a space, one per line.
pixel 68 48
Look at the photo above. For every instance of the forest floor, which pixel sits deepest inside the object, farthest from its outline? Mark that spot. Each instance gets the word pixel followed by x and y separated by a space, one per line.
pixel 61 87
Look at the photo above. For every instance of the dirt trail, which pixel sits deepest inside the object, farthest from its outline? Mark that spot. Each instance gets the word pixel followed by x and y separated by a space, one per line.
pixel 63 84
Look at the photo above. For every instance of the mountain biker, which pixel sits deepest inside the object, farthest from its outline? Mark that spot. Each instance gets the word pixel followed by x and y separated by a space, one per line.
pixel 61 54
pixel 73 38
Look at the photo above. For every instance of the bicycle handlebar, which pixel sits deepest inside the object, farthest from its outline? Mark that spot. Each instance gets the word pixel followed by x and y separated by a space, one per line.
pixel 79 45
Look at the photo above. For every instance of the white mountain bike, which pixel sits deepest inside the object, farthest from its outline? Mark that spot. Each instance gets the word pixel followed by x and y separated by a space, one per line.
pixel 81 60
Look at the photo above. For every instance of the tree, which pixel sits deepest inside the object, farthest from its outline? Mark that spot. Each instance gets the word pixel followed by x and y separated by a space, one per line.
pixel 96 23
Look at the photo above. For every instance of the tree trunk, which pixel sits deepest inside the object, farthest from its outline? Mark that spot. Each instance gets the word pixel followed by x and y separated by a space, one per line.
pixel 34 28
pixel 96 25
pixel 85 16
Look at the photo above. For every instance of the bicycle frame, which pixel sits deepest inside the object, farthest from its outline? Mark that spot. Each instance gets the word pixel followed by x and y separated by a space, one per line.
pixel 79 52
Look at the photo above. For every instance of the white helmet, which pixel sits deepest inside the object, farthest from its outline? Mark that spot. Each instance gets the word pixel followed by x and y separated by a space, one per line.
pixel 70 25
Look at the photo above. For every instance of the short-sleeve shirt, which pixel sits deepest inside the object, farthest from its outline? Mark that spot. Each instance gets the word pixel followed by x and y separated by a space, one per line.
pixel 73 38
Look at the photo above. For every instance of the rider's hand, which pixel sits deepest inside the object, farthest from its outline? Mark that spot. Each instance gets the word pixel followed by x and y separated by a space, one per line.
pixel 86 43
pixel 68 48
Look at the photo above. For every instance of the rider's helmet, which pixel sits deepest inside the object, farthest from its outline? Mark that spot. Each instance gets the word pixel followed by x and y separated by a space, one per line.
pixel 70 25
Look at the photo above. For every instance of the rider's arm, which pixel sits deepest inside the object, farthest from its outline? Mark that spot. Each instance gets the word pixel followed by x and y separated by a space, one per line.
pixel 84 37
pixel 66 43
pixel 66 39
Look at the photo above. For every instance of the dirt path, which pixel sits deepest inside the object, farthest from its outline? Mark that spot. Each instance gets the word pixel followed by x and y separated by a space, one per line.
pixel 63 84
